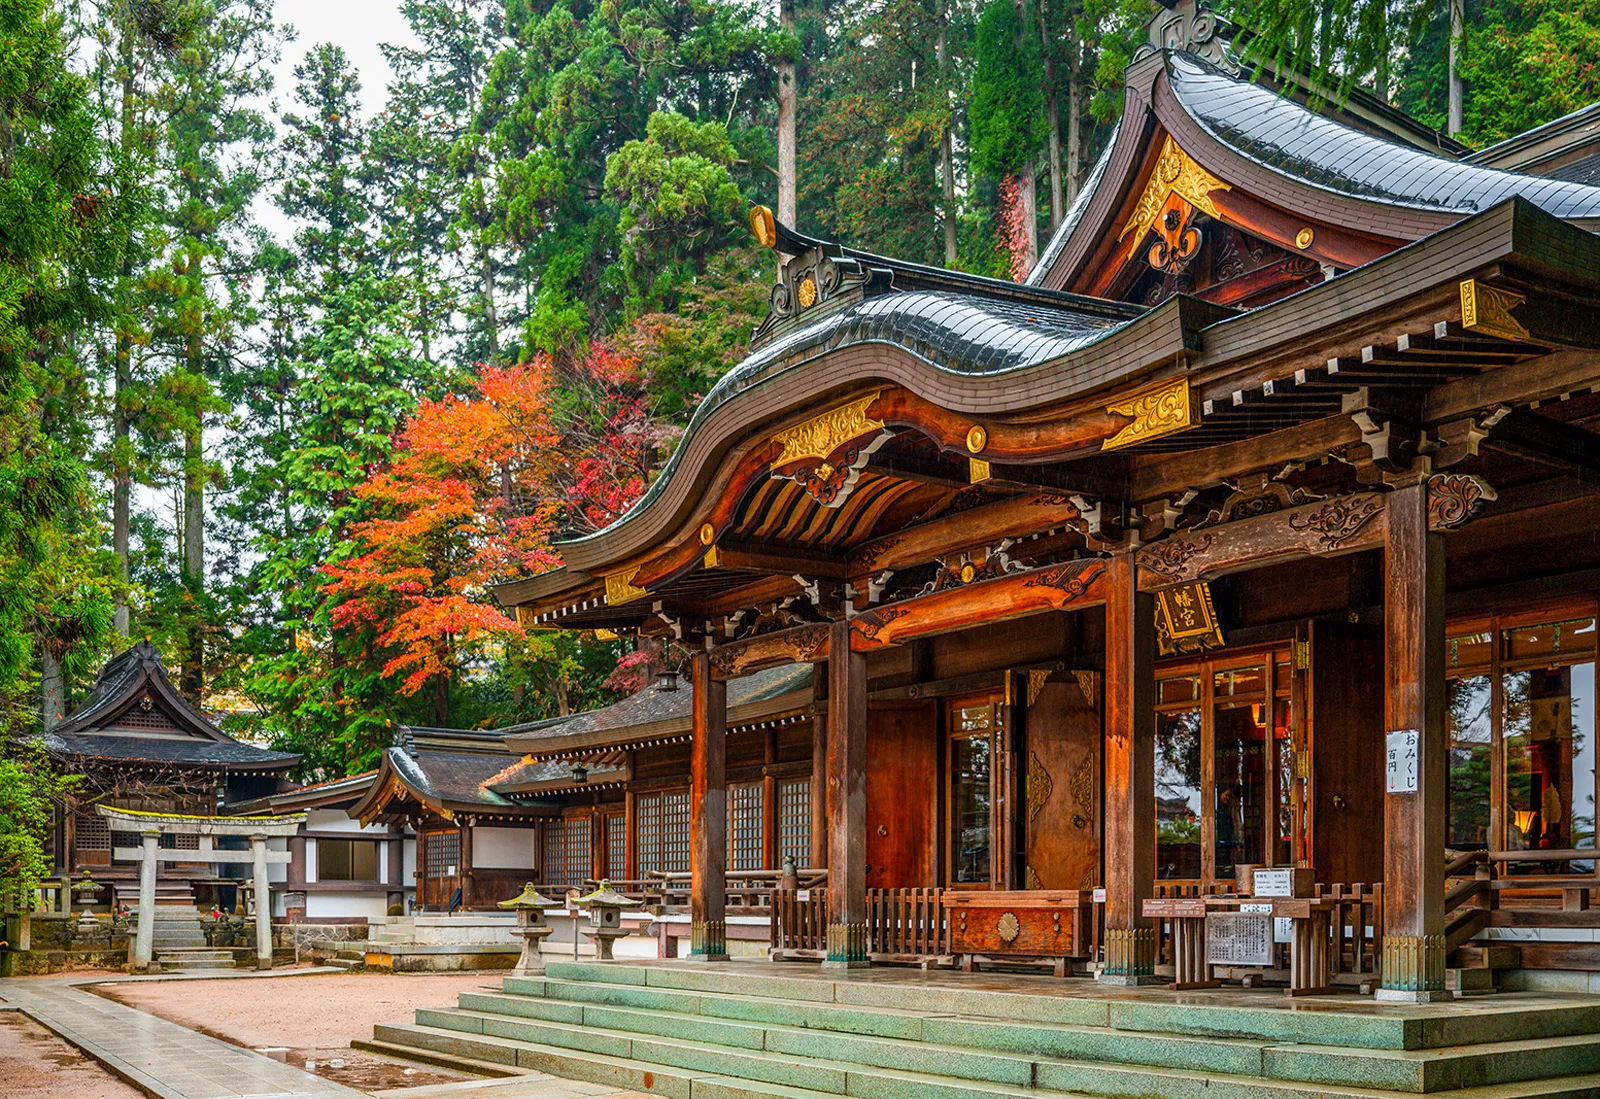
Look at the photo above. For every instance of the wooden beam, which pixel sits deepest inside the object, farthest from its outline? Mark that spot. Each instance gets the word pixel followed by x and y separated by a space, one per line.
pixel 1130 727
pixel 1161 475
pixel 1060 437
pixel 779 559
pixel 1414 667
pixel 1073 585
pixel 796 645
pixel 963 529
pixel 708 812
pixel 1551 442
pixel 847 803
pixel 1542 379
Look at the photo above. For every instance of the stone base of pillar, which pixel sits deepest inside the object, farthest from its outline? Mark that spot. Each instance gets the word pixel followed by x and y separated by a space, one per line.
pixel 847 946
pixel 1413 969
pixel 263 964
pixel 708 941
pixel 1130 957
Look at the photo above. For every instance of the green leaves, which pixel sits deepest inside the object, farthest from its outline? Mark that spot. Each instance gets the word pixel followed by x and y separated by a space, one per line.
pixel 1007 109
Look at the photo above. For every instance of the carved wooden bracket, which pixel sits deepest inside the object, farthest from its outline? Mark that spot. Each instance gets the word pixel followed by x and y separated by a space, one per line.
pixel 825 454
pixel 799 645
pixel 1175 173
pixel 1056 587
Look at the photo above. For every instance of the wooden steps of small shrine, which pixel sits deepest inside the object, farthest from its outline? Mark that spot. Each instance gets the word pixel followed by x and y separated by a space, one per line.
pixel 621 1025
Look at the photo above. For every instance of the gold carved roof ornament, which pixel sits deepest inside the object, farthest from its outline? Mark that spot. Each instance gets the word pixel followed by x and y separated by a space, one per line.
pixel 1176 173
pixel 620 588
pixel 1487 309
pixel 825 453
pixel 1157 410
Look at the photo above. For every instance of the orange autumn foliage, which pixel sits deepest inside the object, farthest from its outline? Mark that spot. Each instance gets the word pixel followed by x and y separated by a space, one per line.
pixel 468 500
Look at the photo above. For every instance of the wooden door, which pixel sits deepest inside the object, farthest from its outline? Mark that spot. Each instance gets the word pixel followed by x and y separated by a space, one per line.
pixel 902 792
pixel 977 849
pixel 1061 782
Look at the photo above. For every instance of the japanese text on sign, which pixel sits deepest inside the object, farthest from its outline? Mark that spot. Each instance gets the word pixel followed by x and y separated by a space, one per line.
pixel 1400 761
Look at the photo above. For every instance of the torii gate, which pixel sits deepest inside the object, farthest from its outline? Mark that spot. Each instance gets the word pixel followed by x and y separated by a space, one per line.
pixel 150 826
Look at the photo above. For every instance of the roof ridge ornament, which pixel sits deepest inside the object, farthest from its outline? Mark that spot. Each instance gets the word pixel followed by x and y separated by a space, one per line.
pixel 1190 26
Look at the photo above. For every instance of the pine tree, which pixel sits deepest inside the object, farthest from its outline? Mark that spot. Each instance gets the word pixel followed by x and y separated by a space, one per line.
pixel 1008 123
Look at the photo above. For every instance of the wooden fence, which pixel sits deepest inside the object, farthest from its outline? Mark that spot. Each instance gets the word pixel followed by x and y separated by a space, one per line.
pixel 903 925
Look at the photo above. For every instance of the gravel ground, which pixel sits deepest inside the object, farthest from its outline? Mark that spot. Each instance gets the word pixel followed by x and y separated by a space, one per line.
pixel 35 1064
pixel 315 1016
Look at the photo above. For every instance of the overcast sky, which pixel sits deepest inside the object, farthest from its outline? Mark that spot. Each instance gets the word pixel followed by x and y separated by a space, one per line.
pixel 356 25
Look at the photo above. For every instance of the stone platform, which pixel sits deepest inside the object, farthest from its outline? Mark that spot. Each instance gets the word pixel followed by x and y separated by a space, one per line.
pixel 759 1030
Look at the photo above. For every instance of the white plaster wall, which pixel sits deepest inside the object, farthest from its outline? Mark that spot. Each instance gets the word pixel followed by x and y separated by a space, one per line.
pixel 336 820
pixel 277 872
pixel 503 848
pixel 321 905
pixel 408 861
pixel 311 861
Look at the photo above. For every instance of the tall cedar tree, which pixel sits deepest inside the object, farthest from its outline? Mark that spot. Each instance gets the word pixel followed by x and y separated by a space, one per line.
pixel 1008 124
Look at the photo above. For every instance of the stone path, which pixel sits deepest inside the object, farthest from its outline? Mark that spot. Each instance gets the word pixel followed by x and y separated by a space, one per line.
pixel 163 1058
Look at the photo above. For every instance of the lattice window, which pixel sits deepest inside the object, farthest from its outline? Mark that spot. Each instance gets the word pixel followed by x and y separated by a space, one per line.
pixel 187 842
pixel 126 839
pixel 92 832
pixel 144 714
pixel 554 851
pixel 794 821
pixel 675 832
pixel 746 825
pixel 578 846
pixel 444 854
pixel 662 829
pixel 616 845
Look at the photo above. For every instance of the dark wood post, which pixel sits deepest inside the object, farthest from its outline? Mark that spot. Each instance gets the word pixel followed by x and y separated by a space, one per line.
pixel 297 860
pixel 1413 802
pixel 847 802
pixel 464 871
pixel 708 814
pixel 395 874
pixel 819 768
pixel 1130 761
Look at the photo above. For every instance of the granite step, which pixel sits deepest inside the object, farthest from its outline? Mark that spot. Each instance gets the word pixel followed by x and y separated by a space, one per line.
pixel 1058 1057
pixel 671 1068
pixel 891 1009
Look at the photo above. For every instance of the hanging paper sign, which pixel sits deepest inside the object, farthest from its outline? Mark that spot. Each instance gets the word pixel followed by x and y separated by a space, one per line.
pixel 802 894
pixel 1400 761
pixel 1099 896
pixel 1282 929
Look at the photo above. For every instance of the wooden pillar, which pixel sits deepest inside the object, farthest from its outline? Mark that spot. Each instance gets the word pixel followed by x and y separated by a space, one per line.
pixel 708 813
pixel 144 937
pixel 819 772
pixel 263 890
pixel 464 871
pixel 297 860
pixel 847 802
pixel 1130 768
pixel 630 830
pixel 1413 802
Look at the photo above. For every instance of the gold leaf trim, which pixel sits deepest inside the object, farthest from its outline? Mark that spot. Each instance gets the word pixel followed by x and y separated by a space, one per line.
pixel 620 588
pixel 1487 309
pixel 821 435
pixel 979 470
pixel 1176 173
pixel 1159 410
pixel 1039 785
pixel 1037 677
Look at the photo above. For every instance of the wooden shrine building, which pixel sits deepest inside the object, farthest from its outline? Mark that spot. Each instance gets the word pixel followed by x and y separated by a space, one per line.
pixel 1259 527
pixel 142 747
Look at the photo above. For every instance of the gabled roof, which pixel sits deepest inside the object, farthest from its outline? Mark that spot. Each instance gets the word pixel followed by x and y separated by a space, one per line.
pixel 1553 149
pixel 135 714
pixel 318 795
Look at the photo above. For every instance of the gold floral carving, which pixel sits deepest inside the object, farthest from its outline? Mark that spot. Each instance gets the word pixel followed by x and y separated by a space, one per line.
pixel 1008 927
pixel 1175 173
pixel 1039 785
pixel 1086 684
pixel 1158 410
pixel 1034 881
pixel 807 293
pixel 821 435
pixel 621 589
pixel 1037 678
pixel 1081 787
pixel 1487 309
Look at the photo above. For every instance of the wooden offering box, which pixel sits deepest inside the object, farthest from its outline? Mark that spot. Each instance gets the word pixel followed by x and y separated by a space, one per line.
pixel 1038 924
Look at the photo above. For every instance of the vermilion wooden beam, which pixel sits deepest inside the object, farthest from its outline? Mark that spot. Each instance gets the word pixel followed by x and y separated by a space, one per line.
pixel 1073 585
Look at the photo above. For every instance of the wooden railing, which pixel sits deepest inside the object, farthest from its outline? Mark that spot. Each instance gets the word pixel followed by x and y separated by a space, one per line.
pixel 903 925
pixel 906 924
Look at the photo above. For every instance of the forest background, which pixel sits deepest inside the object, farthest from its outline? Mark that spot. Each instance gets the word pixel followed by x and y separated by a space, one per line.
pixel 296 460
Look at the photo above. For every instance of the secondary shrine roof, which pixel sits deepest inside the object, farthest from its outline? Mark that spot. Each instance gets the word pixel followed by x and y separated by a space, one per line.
pixel 135 715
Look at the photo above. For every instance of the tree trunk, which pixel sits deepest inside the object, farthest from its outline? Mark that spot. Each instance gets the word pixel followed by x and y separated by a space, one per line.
pixel 1052 106
pixel 787 103
pixel 121 474
pixel 491 319
pixel 1457 93
pixel 947 158
pixel 1030 216
pixel 194 530
pixel 52 694
pixel 1074 121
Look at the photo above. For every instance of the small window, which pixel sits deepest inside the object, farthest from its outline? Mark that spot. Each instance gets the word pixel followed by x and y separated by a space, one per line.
pixel 347 860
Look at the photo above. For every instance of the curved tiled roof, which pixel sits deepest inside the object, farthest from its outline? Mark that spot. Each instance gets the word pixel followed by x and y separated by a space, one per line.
pixel 185 751
pixel 1286 137
pixel 956 333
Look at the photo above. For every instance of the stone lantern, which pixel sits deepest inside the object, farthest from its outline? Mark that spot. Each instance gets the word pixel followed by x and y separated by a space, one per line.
pixel 605 907
pixel 531 928
pixel 88 932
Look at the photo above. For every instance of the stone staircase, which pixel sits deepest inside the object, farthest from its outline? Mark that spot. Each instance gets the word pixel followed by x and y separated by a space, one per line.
pixel 693 1032
pixel 179 939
